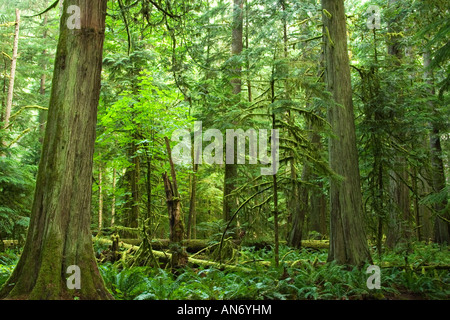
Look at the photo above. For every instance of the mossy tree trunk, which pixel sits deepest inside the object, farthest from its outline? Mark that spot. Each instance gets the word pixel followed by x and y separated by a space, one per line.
pixel 348 244
pixel 59 234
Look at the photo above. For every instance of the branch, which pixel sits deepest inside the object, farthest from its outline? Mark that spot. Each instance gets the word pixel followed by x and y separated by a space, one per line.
pixel 163 10
pixel 122 11
pixel 52 6
pixel 24 132
pixel 20 111
pixel 8 24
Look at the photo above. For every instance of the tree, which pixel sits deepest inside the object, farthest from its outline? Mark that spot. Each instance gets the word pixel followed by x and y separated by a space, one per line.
pixel 348 244
pixel 9 99
pixel 59 235
pixel 231 171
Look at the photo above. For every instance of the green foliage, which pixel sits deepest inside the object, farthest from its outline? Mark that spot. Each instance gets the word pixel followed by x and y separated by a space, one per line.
pixel 8 261
pixel 301 275
pixel 16 196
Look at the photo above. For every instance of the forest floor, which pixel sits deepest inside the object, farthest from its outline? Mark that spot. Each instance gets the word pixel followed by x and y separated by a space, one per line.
pixel 417 272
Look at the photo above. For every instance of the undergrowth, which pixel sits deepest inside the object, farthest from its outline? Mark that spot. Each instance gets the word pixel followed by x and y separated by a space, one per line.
pixel 302 274
pixel 8 260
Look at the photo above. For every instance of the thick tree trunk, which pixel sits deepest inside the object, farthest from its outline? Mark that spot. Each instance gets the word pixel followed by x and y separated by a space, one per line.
pixel 59 234
pixel 348 243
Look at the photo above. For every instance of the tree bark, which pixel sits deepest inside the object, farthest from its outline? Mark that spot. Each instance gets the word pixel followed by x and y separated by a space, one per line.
pixel 59 234
pixel 348 243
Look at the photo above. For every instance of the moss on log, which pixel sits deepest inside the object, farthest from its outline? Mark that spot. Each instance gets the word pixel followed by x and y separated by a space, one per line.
pixel 10 243
pixel 195 245
pixel 166 257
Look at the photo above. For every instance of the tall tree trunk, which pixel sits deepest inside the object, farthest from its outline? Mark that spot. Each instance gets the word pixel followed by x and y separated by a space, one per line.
pixel 9 98
pixel 59 234
pixel 42 117
pixel 442 210
pixel 298 200
pixel 229 202
pixel 401 220
pixel 12 76
pixel 348 242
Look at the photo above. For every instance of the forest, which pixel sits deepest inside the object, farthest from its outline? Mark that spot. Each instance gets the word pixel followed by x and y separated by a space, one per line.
pixel 224 150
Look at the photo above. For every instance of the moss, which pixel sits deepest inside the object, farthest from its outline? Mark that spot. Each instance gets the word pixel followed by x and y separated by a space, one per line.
pixel 48 281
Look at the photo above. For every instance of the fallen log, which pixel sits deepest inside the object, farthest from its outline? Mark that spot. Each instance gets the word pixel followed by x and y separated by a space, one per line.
pixel 195 245
pixel 416 268
pixel 166 257
pixel 10 243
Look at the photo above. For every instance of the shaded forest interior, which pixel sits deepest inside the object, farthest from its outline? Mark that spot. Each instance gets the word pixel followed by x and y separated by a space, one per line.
pixel 225 149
